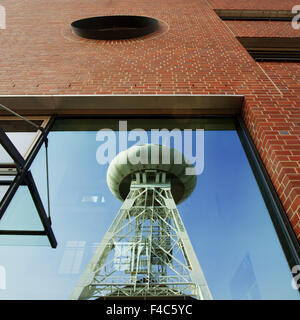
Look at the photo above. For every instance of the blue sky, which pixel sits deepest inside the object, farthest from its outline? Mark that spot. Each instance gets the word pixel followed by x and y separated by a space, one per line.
pixel 226 219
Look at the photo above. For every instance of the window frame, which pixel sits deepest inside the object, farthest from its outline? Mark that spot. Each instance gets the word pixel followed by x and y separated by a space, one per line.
pixel 278 215
pixel 45 120
pixel 285 233
pixel 281 223
pixel 24 177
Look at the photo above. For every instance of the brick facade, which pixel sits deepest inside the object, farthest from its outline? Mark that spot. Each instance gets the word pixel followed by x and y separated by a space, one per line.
pixel 195 52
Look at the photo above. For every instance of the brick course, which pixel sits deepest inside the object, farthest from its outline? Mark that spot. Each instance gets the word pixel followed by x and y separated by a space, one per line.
pixel 195 52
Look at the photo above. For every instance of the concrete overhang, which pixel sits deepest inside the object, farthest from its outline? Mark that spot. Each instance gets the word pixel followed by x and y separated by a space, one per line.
pixel 122 104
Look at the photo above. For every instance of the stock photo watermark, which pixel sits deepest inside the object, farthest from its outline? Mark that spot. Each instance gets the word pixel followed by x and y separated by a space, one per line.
pixel 296 277
pixel 71 260
pixel 2 17
pixel 187 142
pixel 2 278
pixel 296 18
pixel 72 257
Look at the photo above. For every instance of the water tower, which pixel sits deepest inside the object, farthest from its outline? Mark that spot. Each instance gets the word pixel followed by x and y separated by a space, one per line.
pixel 146 252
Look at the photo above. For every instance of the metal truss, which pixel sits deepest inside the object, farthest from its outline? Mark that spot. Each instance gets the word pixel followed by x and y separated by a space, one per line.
pixel 146 252
pixel 22 176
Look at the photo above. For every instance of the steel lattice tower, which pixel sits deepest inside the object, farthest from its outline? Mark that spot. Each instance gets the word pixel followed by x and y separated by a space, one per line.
pixel 146 253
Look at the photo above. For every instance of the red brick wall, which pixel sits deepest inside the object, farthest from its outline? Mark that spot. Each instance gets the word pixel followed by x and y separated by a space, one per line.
pixel 194 53
pixel 285 161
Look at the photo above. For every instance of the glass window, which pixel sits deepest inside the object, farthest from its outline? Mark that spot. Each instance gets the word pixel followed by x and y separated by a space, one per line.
pixel 21 134
pixel 225 216
pixel 21 213
pixel 3 189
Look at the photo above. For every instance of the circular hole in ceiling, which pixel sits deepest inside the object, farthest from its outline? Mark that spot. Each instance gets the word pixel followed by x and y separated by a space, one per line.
pixel 114 27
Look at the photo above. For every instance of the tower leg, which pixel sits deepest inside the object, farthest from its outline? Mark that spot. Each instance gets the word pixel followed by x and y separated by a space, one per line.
pixel 145 253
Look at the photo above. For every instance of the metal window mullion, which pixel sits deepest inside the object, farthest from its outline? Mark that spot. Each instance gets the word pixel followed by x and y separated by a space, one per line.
pixel 24 232
pixel 40 209
pixel 19 179
pixel 25 176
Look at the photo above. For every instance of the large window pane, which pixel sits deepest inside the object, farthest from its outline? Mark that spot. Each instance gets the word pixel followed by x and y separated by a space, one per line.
pixel 225 216
pixel 21 215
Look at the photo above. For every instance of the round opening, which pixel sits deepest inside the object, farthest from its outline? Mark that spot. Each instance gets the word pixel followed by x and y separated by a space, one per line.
pixel 114 27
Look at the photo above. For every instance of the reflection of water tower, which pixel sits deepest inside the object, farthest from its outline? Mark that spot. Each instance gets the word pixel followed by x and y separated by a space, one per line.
pixel 146 253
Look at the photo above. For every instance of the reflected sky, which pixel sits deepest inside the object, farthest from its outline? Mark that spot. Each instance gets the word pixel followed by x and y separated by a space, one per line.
pixel 21 141
pixel 225 217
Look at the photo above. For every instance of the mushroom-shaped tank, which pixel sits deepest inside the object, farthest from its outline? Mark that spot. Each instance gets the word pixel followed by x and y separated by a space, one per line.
pixel 153 157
